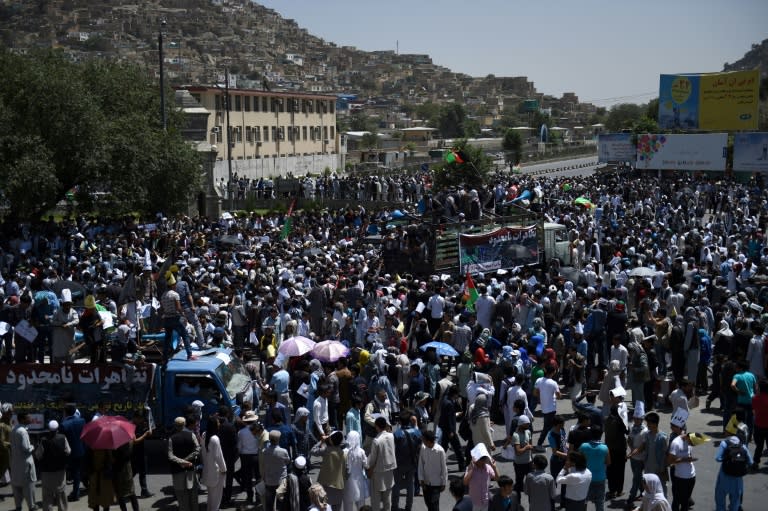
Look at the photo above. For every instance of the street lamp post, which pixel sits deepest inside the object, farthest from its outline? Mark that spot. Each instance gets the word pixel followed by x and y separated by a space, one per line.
pixel 230 185
pixel 163 121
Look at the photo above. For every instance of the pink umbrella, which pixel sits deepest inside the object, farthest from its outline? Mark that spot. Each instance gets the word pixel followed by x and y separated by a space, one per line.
pixel 329 351
pixel 108 432
pixel 296 346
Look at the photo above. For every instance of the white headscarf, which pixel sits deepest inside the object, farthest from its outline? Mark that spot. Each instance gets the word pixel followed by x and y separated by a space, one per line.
pixel 353 451
pixel 653 497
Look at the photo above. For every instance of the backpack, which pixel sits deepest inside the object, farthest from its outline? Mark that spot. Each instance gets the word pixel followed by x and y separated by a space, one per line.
pixel 406 450
pixel 735 462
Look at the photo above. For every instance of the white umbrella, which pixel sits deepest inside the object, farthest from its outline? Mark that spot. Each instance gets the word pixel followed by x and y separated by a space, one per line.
pixel 329 351
pixel 296 346
pixel 642 271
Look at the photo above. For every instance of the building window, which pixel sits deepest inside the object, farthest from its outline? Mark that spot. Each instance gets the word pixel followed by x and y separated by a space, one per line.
pixel 325 132
pixel 281 133
pixel 218 103
pixel 332 105
pixel 274 133
pixel 247 103
pixel 266 133
pixel 256 134
pixel 264 104
pixel 290 134
pixel 333 135
pixel 238 103
pixel 238 134
pixel 248 134
pixel 303 132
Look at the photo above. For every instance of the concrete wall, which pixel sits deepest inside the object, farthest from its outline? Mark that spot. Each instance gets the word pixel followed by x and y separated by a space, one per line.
pixel 280 166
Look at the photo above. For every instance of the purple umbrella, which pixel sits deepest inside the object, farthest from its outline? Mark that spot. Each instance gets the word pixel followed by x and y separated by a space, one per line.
pixel 329 351
pixel 296 346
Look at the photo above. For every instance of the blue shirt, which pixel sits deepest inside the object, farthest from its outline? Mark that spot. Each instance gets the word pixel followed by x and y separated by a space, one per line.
pixel 596 453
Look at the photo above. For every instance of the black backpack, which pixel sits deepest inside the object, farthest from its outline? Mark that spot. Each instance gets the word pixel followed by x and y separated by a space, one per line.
pixel 735 461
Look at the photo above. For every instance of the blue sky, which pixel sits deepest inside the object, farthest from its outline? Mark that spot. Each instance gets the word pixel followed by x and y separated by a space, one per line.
pixel 606 51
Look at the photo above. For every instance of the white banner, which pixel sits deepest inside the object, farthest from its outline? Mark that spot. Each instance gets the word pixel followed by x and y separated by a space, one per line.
pixel 615 147
pixel 682 152
pixel 750 152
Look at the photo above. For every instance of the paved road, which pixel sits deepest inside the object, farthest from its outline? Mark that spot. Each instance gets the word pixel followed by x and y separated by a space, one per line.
pixel 756 485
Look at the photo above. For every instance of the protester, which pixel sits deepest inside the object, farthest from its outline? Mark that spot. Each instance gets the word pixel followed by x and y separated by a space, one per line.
pixel 23 473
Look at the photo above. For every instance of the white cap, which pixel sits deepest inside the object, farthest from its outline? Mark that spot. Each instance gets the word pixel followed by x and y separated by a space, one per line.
pixel 197 403
pixel 53 426
pixel 523 419
pixel 300 462
pixel 66 296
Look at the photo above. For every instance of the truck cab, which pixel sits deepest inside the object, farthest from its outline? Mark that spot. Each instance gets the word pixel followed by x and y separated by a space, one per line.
pixel 556 244
pixel 217 377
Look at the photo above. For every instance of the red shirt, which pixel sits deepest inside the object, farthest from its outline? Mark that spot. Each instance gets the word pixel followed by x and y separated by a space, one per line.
pixel 760 408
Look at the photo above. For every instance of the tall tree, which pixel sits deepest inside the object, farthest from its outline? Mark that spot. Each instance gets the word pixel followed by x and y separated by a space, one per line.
pixel 623 115
pixel 452 120
pixel 472 167
pixel 92 127
pixel 513 146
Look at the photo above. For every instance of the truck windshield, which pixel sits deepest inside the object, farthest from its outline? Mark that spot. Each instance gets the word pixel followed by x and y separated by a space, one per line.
pixel 234 376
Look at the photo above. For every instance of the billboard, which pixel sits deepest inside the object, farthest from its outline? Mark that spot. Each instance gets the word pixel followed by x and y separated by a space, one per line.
pixel 507 247
pixel 750 152
pixel 705 151
pixel 615 147
pixel 713 101
pixel 49 387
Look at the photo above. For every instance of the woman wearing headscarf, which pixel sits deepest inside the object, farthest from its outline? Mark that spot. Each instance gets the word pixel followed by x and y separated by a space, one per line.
pixel 332 472
pixel 300 431
pixel 611 380
pixel 653 496
pixel 480 422
pixel 356 485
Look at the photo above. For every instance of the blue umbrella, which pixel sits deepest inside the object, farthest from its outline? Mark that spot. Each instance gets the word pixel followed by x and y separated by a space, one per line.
pixel 443 349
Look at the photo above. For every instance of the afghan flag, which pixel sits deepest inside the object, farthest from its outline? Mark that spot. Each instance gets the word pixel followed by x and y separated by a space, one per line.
pixel 454 156
pixel 470 293
pixel 286 231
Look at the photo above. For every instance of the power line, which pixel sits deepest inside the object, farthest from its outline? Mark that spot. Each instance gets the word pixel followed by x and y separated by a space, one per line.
pixel 616 99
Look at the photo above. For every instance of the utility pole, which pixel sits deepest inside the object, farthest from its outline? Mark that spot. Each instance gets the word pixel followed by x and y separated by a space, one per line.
pixel 163 120
pixel 230 185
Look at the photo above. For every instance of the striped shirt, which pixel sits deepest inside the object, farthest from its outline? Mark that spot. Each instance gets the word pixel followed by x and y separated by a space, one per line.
pixel 168 303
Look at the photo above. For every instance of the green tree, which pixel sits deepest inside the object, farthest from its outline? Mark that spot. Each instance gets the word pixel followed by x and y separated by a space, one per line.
pixel 360 121
pixel 473 171
pixel 93 127
pixel 452 121
pixel 429 112
pixel 538 118
pixel 652 110
pixel 622 116
pixel 370 141
pixel 513 146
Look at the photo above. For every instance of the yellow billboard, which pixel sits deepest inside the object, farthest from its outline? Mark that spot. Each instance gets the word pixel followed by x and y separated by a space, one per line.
pixel 713 101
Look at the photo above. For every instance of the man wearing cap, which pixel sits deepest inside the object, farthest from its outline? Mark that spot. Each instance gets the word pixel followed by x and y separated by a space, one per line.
pixel 273 465
pixel 248 447
pixel 680 458
pixel 170 304
pixel 381 466
pixel 52 453
pixel 183 454
pixel 64 321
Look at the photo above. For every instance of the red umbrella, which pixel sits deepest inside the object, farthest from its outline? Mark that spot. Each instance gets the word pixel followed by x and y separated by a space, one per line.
pixel 108 432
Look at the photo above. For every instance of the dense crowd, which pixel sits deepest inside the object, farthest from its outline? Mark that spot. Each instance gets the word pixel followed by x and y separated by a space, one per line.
pixel 662 302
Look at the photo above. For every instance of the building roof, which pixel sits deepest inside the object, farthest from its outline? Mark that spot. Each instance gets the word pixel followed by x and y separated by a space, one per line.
pixel 419 128
pixel 253 92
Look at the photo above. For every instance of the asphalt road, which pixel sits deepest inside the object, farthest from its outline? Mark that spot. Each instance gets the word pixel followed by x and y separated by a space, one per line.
pixel 704 421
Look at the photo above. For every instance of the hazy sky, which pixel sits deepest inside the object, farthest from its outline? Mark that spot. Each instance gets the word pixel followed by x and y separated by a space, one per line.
pixel 606 51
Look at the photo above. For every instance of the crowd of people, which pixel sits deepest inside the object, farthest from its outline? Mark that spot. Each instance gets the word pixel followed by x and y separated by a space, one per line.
pixel 665 305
